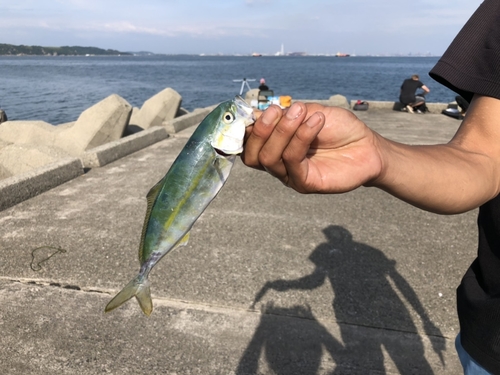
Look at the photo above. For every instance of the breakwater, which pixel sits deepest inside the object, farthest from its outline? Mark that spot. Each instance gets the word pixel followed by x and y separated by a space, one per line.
pixel 45 156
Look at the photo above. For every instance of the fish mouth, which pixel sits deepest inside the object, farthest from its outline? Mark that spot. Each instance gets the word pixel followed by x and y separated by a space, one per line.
pixel 222 153
pixel 244 110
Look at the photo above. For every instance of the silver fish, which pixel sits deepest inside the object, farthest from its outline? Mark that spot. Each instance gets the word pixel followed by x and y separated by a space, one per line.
pixel 181 196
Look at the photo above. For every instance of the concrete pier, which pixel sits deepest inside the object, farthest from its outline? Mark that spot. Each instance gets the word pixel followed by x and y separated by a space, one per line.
pixel 271 282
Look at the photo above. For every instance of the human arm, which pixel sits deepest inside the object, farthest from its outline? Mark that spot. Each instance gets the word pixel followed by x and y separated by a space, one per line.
pixel 309 282
pixel 329 150
pixel 425 88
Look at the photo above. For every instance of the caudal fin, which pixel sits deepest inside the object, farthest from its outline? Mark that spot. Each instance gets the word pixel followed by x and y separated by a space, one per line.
pixel 136 288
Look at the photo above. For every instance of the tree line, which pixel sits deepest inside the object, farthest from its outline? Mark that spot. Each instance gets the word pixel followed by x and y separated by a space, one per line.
pixel 12 50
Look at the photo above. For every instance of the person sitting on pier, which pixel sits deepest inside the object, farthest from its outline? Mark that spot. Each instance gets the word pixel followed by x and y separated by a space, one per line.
pixel 408 95
pixel 263 86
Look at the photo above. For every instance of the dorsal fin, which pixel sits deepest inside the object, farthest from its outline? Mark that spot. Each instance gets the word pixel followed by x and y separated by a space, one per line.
pixel 151 199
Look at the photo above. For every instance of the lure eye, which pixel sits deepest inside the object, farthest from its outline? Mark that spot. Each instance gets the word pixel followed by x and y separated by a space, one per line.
pixel 228 117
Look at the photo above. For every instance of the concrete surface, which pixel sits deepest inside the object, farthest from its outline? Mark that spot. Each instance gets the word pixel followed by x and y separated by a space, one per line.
pixel 105 154
pixel 339 101
pixel 19 188
pixel 272 282
pixel 432 107
pixel 183 122
pixel 159 108
pixel 17 159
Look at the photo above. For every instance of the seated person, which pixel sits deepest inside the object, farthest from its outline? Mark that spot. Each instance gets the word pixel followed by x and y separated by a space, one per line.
pixel 407 95
pixel 263 86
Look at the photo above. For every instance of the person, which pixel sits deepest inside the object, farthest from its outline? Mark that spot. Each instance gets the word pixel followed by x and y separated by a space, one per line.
pixel 463 104
pixel 407 95
pixel 263 86
pixel 317 149
pixel 3 116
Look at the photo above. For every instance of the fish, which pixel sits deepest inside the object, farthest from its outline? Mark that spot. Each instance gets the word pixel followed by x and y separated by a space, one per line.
pixel 180 197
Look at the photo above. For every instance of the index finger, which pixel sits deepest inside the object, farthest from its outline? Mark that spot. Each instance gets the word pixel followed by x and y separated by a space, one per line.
pixel 260 133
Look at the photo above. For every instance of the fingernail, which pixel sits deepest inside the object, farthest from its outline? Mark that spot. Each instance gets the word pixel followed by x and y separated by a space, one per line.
pixel 268 117
pixel 294 111
pixel 314 120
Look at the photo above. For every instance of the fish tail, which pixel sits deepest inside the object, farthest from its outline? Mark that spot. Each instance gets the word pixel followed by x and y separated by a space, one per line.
pixel 138 288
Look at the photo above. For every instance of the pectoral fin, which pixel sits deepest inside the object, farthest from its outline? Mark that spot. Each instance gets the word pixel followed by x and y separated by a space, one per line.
pixel 183 241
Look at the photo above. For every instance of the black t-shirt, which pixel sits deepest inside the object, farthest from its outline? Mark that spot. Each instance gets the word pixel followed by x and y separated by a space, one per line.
pixel 408 89
pixel 471 65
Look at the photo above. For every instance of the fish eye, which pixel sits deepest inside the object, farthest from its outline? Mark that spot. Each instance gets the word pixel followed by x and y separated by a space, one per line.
pixel 228 117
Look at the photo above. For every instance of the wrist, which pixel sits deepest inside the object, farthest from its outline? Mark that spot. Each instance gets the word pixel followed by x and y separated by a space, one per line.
pixel 380 146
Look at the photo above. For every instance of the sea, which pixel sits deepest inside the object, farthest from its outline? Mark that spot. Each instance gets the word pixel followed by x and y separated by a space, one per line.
pixel 57 89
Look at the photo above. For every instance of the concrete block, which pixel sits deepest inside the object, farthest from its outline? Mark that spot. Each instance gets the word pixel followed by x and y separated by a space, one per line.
pixel 65 125
pixel 4 144
pixel 21 158
pixel 184 122
pixel 318 101
pixel 28 132
pixel 162 107
pixel 181 112
pixel 102 155
pixel 339 101
pixel 134 119
pixel 102 123
pixel 21 187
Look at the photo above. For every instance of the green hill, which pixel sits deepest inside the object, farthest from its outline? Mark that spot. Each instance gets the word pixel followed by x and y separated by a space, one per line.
pixel 12 50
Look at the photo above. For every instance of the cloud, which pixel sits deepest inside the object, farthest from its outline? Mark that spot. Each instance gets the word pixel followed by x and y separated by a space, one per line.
pixel 227 25
pixel 127 27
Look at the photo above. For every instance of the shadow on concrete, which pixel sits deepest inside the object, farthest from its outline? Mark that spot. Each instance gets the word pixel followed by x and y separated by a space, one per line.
pixel 364 282
pixel 288 348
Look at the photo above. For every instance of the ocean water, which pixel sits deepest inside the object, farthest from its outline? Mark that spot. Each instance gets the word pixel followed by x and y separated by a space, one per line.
pixel 58 89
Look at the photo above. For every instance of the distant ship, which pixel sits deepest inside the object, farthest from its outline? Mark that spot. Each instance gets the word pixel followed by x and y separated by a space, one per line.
pixel 255 54
pixel 340 54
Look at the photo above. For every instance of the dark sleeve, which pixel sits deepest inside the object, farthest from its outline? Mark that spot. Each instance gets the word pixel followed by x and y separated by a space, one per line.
pixel 471 64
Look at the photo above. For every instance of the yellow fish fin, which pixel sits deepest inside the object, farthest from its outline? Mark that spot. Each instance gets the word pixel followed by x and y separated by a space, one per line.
pixel 137 288
pixel 183 241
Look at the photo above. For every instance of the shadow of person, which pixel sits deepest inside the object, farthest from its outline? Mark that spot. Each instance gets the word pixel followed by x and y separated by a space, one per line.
pixel 288 346
pixel 362 279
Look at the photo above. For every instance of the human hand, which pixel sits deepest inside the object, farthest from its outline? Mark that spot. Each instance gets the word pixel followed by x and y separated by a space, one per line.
pixel 279 285
pixel 313 148
pixel 262 292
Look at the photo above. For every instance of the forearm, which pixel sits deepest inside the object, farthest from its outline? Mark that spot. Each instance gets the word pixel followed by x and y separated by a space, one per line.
pixel 446 179
pixel 317 149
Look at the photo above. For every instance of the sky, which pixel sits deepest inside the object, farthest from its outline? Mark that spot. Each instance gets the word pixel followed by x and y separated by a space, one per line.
pixel 362 27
